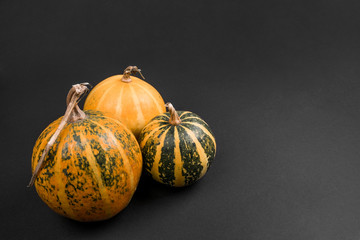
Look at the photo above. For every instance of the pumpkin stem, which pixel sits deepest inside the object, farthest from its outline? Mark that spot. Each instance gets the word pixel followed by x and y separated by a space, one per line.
pixel 174 117
pixel 73 113
pixel 131 70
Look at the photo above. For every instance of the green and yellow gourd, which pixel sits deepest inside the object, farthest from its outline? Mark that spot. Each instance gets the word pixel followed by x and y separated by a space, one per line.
pixel 86 166
pixel 178 147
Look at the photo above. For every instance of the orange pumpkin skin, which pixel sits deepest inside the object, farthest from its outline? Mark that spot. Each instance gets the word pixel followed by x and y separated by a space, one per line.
pixel 133 103
pixel 92 170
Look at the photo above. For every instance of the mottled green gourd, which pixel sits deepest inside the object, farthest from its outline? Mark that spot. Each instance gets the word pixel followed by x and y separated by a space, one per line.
pixel 86 166
pixel 178 147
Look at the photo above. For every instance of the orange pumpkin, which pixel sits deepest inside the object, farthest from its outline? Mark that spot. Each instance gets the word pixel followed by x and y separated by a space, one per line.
pixel 126 98
pixel 86 166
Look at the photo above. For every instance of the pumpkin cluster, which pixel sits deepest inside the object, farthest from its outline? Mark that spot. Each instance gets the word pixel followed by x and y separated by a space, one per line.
pixel 87 164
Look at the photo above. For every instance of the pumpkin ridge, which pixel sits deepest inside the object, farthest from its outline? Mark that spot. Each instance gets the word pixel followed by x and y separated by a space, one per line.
pixel 178 168
pixel 97 174
pixel 155 166
pixel 85 163
pixel 149 94
pixel 109 117
pixel 162 116
pixel 193 118
pixel 148 135
pixel 71 165
pixel 182 113
pixel 61 194
pixel 140 115
pixel 109 80
pixel 204 129
pixel 192 167
pixel 166 162
pixel 118 109
pixel 42 141
pixel 154 122
pixel 102 98
pixel 199 121
pixel 199 149
pixel 159 121
pixel 149 148
pixel 205 141
pixel 46 181
pixel 125 160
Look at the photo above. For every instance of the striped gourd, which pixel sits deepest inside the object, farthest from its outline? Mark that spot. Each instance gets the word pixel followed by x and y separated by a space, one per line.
pixel 91 170
pixel 128 99
pixel 178 147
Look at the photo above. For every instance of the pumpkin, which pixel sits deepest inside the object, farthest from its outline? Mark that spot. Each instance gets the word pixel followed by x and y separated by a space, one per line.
pixel 86 165
pixel 128 99
pixel 178 147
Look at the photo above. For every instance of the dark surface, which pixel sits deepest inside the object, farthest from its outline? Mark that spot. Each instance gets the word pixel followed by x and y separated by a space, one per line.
pixel 278 82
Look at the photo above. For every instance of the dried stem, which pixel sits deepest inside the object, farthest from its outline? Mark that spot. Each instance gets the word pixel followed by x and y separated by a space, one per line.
pixel 130 70
pixel 174 117
pixel 73 113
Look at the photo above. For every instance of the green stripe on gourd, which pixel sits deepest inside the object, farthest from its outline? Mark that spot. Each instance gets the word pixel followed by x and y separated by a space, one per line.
pixel 192 167
pixel 166 163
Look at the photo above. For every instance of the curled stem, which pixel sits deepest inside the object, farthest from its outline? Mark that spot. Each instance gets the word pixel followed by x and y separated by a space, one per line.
pixel 73 113
pixel 130 70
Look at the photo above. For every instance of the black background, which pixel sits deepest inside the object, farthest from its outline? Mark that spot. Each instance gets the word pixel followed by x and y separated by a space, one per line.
pixel 278 82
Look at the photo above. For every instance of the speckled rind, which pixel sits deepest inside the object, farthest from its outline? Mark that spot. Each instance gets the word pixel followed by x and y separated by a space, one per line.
pixel 92 170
